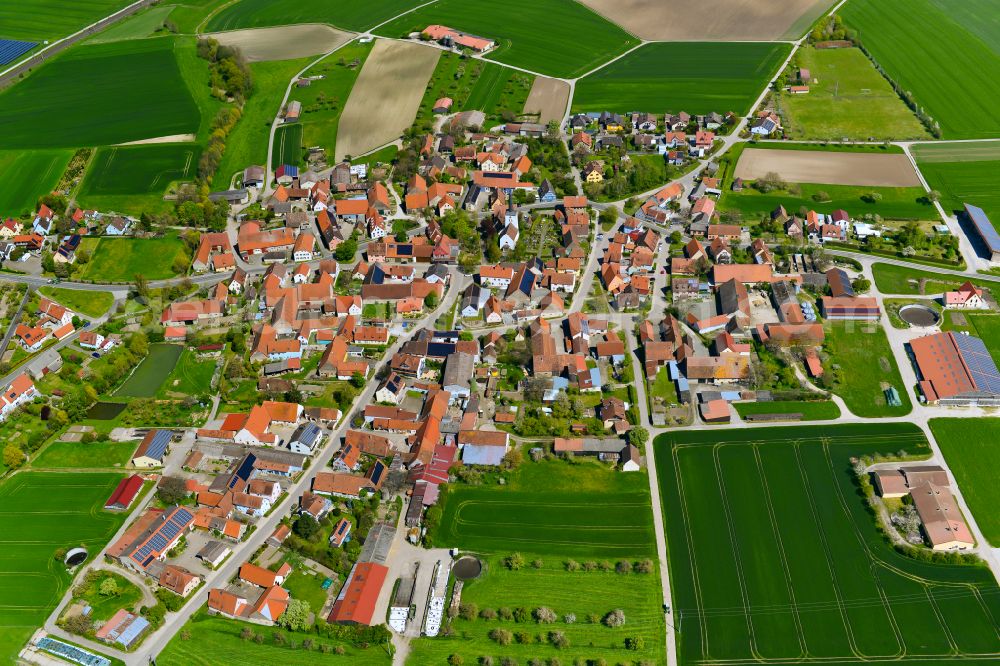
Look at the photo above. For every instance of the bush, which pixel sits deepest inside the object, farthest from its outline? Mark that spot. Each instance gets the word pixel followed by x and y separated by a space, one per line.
pixel 544 615
pixel 520 614
pixel 558 639
pixel 488 614
pixel 569 618
pixel 514 561
pixel 468 611
pixel 615 618
pixel 501 636
pixel 623 567
pixel 455 660
pixel 572 565
pixel 634 643
pixel 644 566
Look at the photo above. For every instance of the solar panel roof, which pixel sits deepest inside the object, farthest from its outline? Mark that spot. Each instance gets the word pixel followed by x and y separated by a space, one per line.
pixel 981 365
pixel 984 226
pixel 376 473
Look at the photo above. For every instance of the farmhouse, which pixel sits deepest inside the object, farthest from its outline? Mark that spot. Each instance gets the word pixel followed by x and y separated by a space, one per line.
pixel 450 37
pixel 956 369
pixel 152 449
pixel 151 536
pixel 17 393
pixel 357 599
pixel 966 297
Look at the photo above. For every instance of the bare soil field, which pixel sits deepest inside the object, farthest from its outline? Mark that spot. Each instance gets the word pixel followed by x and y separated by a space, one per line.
pixel 548 98
pixel 712 20
pixel 386 96
pixel 285 42
pixel 831 168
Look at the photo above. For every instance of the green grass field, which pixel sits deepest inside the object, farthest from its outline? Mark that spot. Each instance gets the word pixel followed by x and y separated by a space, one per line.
pixel 811 411
pixel 866 364
pixel 287 146
pixel 85 302
pixel 350 14
pixel 963 173
pixel 552 37
pixel 190 376
pixel 774 555
pixel 228 649
pixel 27 175
pixel 120 259
pixel 697 77
pixel 38 20
pixel 133 179
pixel 897 203
pixel 140 25
pixel 847 98
pixel 58 455
pixel 891 279
pixel 192 13
pixel 969 447
pixel 104 607
pixel 147 378
pixel 930 53
pixel 983 325
pixel 121 91
pixel 40 513
pixel 480 85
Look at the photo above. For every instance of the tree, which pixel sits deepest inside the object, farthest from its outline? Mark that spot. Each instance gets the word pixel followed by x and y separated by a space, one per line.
pixel 558 639
pixel 934 195
pixel 609 216
pixel 569 618
pixel 468 611
pixel 171 490
pixel 615 618
pixel 306 526
pixel 634 643
pixel 638 436
pixel 346 250
pixel 296 615
pixel 455 660
pixel 501 636
pixel 514 561
pixel 623 567
pixel 13 457
pixel 861 284
pixel 108 588
pixel 141 286
pixel 357 380
pixel 512 459
pixel 78 624
pixel 431 300
pixel 644 566
pixel 545 615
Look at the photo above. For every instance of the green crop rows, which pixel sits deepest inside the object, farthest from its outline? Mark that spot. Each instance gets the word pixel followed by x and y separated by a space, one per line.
pixel 349 14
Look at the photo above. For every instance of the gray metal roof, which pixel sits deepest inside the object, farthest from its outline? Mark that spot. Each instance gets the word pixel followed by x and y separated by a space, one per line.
pixel 984 226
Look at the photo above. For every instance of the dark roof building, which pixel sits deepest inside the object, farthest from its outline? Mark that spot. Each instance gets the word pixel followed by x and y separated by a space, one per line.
pixel 985 230
pixel 956 369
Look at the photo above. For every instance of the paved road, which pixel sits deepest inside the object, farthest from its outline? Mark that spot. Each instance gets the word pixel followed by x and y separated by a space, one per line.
pixel 14 321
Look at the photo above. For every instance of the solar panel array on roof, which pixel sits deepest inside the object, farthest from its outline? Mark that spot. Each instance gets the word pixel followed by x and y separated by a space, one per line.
pixel 981 365
pixel 441 349
pixel 377 471
pixel 527 281
pixel 983 225
pixel 158 444
pixel 404 250
pixel 164 534
pixel 343 527
pixel 245 470
pixel 840 283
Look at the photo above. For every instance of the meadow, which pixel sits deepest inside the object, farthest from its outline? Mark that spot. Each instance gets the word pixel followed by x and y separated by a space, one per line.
pixel 472 84
pixel 133 179
pixel 227 648
pixel 561 39
pixel 774 554
pixel 118 92
pixel 38 20
pixel 891 279
pixel 897 203
pixel 27 175
pixel 969 448
pixel 151 373
pixel 983 325
pixel 82 301
pixel 80 455
pixel 141 24
pixel 819 410
pixel 963 173
pixel 121 259
pixel 191 376
pixel 847 98
pixel 863 363
pixel 916 42
pixel 42 512
pixel 697 77
pixel 355 15
pixel 287 147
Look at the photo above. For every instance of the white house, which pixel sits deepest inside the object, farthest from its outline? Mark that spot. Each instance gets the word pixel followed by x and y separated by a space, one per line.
pixel 306 439
pixel 967 297
pixel 20 391
pixel 508 239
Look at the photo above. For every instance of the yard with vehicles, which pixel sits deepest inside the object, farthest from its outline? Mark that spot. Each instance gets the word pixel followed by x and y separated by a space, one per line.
pixel 27 175
pixel 812 410
pixel 121 259
pixel 969 448
pixel 349 14
pixel 133 179
pixel 716 20
pixel 191 375
pixel 584 530
pixel 562 39
pixel 859 367
pixel 39 20
pixel 847 98
pixel 151 373
pixel 393 80
pixel 44 514
pixel 775 555
pixel 936 56
pixel 84 455
pixel 696 77
pixel 963 173
pixel 133 90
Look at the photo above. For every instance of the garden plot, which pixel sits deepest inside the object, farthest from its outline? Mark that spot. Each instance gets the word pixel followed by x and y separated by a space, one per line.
pixel 547 98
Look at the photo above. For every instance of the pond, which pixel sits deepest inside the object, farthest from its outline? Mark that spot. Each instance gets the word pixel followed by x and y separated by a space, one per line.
pixel 105 411
pixel 150 374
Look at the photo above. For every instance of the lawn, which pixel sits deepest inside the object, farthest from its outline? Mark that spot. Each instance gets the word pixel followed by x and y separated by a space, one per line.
pixel 192 376
pixel 121 91
pixel 121 259
pixel 819 410
pixel 963 173
pixel 355 15
pixel 26 176
pixel 150 375
pixel 847 98
pixel 307 588
pixel 662 387
pixel 551 37
pixel 983 325
pixel 38 20
pixel 774 554
pixel 897 203
pixel 929 52
pixel 83 455
pixel 861 365
pixel 287 146
pixel 697 77
pixel 215 641
pixel 40 513
pixel 892 279
pixel 86 302
pixel 139 25
pixel 969 448
pixel 104 607
pixel 133 179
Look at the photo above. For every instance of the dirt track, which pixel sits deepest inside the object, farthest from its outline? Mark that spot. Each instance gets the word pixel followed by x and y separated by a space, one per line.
pixel 710 20
pixel 548 98
pixel 284 42
pixel 386 96
pixel 829 168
